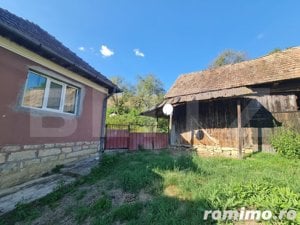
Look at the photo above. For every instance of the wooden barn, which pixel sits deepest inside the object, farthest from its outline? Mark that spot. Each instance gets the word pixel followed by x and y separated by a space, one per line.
pixel 236 108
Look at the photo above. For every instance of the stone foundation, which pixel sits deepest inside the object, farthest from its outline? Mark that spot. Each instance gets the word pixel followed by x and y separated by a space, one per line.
pixel 19 164
pixel 221 151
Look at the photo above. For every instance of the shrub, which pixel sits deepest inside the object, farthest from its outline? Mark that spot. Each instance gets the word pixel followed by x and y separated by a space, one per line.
pixel 287 143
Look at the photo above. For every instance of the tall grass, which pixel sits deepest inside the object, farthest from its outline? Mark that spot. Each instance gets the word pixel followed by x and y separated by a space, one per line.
pixel 183 186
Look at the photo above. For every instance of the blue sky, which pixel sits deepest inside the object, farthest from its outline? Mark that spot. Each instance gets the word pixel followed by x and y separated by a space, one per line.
pixel 170 37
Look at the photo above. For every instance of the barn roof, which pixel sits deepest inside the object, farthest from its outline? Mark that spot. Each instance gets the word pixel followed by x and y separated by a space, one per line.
pixel 284 65
pixel 233 80
pixel 34 38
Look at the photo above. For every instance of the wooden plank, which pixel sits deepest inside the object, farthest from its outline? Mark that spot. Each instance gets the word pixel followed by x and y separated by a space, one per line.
pixel 170 129
pixel 240 134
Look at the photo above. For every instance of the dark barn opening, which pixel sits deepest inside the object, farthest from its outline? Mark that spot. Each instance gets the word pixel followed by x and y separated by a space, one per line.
pixel 298 101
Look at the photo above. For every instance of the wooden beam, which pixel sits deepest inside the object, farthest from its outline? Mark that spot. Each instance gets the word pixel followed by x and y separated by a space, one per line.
pixel 240 131
pixel 170 128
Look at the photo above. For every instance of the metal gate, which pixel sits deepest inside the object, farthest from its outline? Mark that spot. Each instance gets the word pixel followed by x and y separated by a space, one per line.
pixel 117 136
pixel 134 137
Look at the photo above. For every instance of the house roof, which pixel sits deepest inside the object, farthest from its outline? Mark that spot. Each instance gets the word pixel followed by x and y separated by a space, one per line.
pixel 280 66
pixel 34 38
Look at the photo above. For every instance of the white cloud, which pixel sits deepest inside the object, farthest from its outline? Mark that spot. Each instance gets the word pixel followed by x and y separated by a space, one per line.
pixel 260 36
pixel 138 53
pixel 105 51
pixel 82 49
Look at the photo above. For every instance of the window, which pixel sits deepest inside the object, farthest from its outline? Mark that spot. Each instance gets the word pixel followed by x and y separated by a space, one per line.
pixel 42 92
pixel 35 90
pixel 70 100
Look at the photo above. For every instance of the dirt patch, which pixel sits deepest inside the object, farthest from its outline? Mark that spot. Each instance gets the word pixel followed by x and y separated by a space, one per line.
pixel 63 211
pixel 86 195
pixel 119 197
pixel 172 191
pixel 93 193
pixel 57 215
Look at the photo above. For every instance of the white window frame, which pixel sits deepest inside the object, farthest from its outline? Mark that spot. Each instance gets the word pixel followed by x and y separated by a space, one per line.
pixel 46 95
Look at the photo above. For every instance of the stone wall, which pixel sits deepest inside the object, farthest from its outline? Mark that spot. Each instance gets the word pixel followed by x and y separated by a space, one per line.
pixel 21 163
pixel 221 151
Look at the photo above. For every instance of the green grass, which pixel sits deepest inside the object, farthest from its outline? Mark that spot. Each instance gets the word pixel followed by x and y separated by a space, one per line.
pixel 99 207
pixel 128 212
pixel 181 188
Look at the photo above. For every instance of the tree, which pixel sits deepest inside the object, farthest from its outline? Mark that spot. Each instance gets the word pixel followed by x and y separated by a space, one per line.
pixel 149 92
pixel 228 57
pixel 119 103
pixel 125 108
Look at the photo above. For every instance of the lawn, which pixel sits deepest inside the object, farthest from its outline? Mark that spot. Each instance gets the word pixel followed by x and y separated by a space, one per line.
pixel 166 188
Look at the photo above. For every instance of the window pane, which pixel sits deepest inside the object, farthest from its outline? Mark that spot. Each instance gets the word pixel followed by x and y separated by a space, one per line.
pixel 54 96
pixel 70 100
pixel 34 91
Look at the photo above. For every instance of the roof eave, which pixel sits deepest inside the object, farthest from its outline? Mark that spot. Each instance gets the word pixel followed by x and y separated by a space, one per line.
pixel 38 48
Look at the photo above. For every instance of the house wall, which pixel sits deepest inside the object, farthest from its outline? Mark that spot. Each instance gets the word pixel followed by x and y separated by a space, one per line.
pixel 32 142
pixel 212 125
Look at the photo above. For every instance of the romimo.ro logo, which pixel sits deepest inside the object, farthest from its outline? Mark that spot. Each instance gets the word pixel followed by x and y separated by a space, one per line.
pixel 244 215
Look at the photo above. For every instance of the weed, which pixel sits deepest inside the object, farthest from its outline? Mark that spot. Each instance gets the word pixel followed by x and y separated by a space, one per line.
pixel 287 143
pixel 256 195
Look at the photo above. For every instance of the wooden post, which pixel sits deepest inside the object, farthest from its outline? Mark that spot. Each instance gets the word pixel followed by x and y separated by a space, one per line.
pixel 240 131
pixel 170 128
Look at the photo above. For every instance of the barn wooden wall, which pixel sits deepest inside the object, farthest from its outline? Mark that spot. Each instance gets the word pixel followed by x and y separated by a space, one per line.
pixel 214 122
